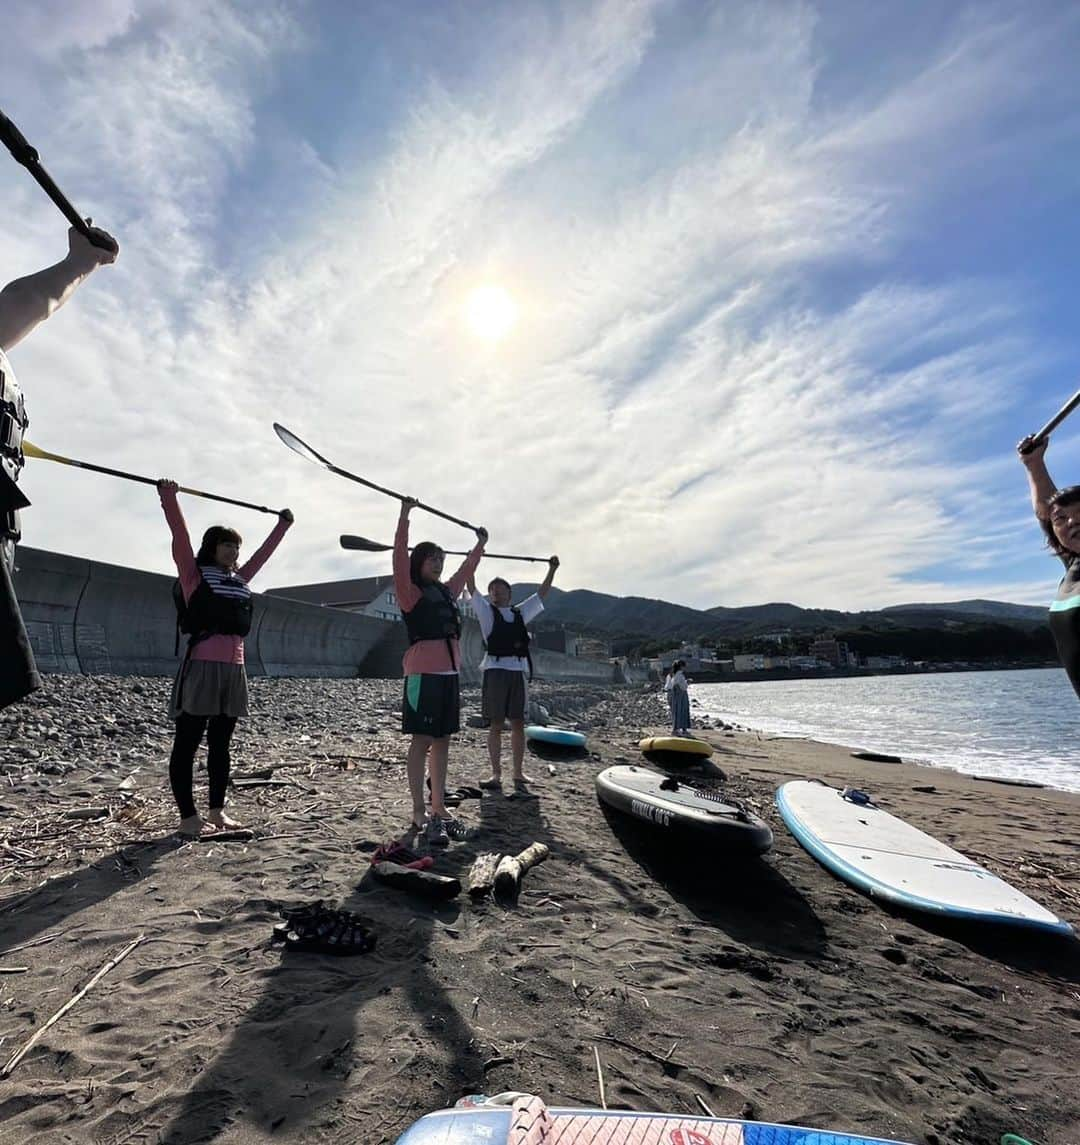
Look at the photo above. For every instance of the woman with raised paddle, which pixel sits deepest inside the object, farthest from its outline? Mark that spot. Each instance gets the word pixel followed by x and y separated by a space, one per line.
pixel 1058 512
pixel 431 705
pixel 210 693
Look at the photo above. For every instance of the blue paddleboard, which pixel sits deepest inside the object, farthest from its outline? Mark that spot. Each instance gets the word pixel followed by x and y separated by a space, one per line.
pixel 557 737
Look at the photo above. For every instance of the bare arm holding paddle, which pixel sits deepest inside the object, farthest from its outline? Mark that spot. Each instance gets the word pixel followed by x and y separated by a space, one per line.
pixel 1032 451
pixel 545 587
pixel 27 302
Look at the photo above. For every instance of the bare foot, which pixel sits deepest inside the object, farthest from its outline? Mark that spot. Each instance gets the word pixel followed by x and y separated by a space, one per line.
pixel 191 827
pixel 493 783
pixel 520 779
pixel 217 816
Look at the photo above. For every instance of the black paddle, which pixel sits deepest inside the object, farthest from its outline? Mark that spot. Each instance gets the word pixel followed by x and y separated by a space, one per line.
pixel 1038 438
pixel 23 153
pixel 305 451
pixel 35 451
pixel 362 544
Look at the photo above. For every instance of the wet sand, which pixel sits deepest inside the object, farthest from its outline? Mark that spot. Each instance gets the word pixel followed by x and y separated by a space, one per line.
pixel 766 989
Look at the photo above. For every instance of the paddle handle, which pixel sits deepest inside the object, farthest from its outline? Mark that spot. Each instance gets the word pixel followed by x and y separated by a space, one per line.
pixel 27 155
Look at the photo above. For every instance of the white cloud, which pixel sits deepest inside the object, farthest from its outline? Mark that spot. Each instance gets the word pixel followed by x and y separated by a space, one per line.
pixel 726 385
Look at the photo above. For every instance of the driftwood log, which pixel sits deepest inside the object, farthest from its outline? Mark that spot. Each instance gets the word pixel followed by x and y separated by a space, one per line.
pixel 423 883
pixel 482 874
pixel 511 868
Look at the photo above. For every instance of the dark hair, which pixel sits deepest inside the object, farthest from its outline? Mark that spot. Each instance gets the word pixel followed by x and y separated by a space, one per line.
pixel 420 554
pixel 214 536
pixel 1067 496
pixel 499 580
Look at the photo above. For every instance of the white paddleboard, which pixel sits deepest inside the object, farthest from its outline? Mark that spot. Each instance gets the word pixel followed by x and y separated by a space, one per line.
pixel 891 860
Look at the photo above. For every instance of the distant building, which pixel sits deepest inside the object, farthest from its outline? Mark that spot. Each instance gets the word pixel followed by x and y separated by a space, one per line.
pixel 556 640
pixel 592 648
pixel 888 662
pixel 806 663
pixel 834 652
pixel 370 595
pixel 749 662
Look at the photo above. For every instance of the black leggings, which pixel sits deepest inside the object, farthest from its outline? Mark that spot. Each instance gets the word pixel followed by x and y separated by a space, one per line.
pixel 189 733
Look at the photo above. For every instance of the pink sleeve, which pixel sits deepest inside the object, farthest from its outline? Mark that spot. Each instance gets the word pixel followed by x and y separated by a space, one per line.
pixel 250 569
pixel 182 553
pixel 408 594
pixel 468 567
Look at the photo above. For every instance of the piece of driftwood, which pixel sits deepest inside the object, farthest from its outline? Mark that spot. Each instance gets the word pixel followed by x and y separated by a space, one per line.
pixel 482 874
pixel 511 868
pixel 27 1046
pixel 86 813
pixel 876 756
pixel 423 883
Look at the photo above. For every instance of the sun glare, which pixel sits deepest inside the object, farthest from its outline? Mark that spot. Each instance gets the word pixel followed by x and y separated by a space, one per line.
pixel 491 312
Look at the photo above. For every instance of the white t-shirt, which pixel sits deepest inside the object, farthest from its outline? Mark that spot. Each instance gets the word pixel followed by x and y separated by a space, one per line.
pixel 530 608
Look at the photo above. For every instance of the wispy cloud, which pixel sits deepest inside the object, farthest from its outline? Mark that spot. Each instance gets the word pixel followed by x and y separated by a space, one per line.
pixel 746 367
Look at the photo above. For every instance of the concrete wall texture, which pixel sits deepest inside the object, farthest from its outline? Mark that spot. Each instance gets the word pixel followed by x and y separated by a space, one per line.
pixel 86 616
pixel 93 618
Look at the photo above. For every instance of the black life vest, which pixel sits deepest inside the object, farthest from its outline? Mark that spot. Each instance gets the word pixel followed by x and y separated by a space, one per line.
pixel 435 617
pixel 220 606
pixel 13 423
pixel 509 637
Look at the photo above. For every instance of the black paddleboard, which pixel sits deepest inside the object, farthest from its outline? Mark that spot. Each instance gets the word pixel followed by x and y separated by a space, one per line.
pixel 682 812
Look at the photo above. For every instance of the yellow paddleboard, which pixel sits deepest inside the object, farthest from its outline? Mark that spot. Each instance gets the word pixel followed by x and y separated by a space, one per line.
pixel 676 743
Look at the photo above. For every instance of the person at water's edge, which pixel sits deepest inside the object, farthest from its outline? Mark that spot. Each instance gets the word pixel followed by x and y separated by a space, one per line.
pixel 505 666
pixel 24 305
pixel 1058 512
pixel 678 689
pixel 210 691
pixel 431 704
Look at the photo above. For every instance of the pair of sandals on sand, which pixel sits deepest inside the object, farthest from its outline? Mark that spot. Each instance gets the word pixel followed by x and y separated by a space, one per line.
pixel 319 929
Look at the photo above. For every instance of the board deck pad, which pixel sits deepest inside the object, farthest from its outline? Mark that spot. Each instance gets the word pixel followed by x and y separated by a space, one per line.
pixel 537 1125
pixel 893 860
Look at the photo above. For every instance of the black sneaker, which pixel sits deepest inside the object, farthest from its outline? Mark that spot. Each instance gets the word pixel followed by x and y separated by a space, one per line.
pixel 457 830
pixel 435 833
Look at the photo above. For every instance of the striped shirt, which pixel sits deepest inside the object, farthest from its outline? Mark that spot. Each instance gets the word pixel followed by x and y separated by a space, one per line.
pixel 221 649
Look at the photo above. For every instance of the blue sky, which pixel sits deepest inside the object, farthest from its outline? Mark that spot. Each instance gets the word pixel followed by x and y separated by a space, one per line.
pixel 791 280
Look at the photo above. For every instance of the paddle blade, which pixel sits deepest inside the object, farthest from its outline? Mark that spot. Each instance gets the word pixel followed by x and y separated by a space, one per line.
pixel 31 450
pixel 298 446
pixel 362 544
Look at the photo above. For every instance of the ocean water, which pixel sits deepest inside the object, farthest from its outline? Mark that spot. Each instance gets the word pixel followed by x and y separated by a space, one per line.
pixel 1020 725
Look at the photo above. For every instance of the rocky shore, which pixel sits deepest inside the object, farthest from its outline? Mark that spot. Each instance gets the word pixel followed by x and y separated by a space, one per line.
pixel 770 990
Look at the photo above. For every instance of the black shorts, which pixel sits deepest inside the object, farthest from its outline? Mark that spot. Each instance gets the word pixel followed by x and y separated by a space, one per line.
pixel 431 706
pixel 502 696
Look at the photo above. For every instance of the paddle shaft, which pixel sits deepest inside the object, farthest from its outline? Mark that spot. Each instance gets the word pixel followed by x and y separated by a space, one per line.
pixel 401 497
pixel 23 153
pixel 288 437
pixel 35 451
pixel 1057 419
pixel 375 547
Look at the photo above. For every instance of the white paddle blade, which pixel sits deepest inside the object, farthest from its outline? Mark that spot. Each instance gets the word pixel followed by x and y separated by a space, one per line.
pixel 298 446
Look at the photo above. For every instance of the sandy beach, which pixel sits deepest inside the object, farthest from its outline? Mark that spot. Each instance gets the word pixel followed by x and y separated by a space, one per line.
pixel 766 989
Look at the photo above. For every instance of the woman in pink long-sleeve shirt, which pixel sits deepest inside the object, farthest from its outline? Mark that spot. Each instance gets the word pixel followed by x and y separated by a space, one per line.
pixel 431 705
pixel 210 692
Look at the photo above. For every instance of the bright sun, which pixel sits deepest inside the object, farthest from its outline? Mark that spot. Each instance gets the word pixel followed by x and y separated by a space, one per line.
pixel 491 312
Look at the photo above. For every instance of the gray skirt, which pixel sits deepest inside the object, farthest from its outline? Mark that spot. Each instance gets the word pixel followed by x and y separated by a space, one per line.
pixel 209 688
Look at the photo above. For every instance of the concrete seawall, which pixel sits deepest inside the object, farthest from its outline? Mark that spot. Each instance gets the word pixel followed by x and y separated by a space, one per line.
pixel 89 617
pixel 93 618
